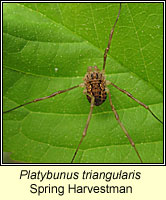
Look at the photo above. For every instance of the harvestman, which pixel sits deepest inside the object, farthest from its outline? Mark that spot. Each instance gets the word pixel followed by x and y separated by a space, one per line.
pixel 95 88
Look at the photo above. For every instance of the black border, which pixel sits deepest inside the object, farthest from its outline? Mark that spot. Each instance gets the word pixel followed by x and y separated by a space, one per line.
pixel 84 164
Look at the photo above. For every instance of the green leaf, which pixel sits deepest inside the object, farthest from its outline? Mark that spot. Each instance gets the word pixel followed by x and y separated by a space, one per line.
pixel 48 47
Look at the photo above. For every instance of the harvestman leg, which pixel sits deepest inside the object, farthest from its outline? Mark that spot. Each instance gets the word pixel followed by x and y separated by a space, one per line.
pixel 121 125
pixel 86 127
pixel 43 98
pixel 130 95
pixel 109 83
pixel 110 38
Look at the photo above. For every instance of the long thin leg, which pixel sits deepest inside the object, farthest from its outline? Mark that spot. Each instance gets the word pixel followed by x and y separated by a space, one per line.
pixel 110 38
pixel 42 98
pixel 130 95
pixel 123 128
pixel 86 127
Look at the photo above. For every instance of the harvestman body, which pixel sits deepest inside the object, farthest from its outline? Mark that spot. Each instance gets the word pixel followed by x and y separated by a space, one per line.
pixel 95 88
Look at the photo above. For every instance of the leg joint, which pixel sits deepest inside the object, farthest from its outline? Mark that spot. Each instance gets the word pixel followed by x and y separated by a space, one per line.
pixel 132 143
pixel 116 116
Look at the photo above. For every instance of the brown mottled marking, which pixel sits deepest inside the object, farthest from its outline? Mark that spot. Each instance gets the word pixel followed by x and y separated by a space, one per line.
pixel 95 84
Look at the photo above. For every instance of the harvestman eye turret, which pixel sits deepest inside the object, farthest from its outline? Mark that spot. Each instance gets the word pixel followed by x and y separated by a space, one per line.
pixel 96 91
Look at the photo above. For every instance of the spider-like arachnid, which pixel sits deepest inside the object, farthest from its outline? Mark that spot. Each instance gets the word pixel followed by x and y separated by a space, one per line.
pixel 96 90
